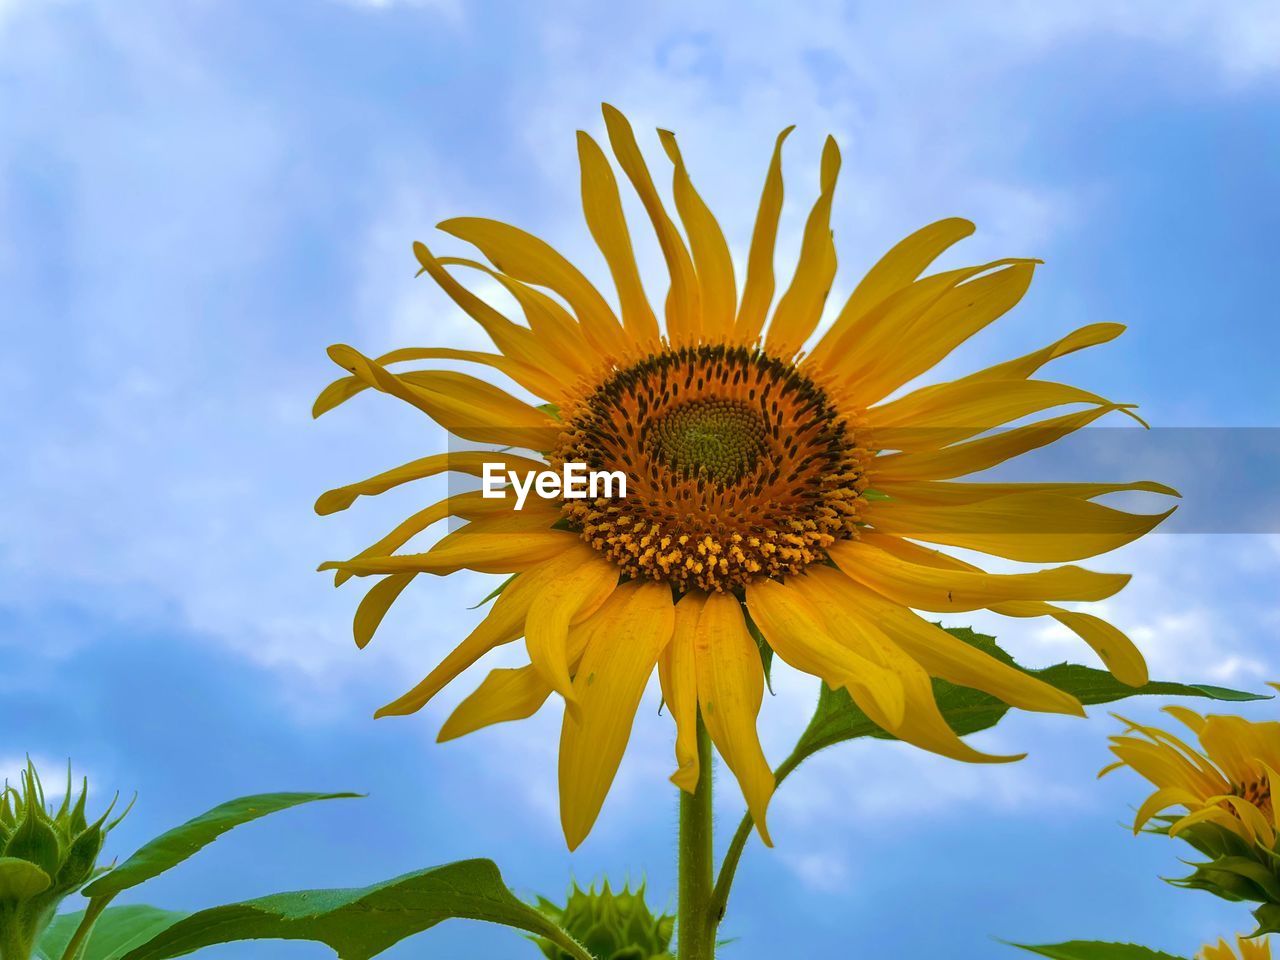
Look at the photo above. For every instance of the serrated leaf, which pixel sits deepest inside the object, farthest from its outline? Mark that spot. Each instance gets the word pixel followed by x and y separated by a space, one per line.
pixel 1097 950
pixel 171 848
pixel 837 718
pixel 117 931
pixel 361 923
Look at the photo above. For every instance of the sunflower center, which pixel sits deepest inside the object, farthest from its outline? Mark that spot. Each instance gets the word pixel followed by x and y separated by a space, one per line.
pixel 719 439
pixel 738 467
pixel 1256 792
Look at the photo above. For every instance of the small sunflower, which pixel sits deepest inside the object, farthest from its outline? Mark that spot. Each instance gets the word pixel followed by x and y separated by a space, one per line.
pixel 1248 950
pixel 1227 781
pixel 769 489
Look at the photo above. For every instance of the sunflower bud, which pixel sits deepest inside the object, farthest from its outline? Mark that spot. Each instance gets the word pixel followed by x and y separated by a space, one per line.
pixel 610 926
pixel 44 856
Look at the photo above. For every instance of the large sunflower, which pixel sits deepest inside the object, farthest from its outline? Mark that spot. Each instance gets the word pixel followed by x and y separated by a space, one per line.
pixel 768 488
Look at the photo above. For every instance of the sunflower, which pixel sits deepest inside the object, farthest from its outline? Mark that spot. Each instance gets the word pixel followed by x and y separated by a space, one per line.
pixel 1249 950
pixel 771 492
pixel 1227 781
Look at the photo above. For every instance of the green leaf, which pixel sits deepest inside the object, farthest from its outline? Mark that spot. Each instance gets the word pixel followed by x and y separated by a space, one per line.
pixel 496 591
pixel 1097 950
pixel 117 931
pixel 170 849
pixel 837 718
pixel 361 923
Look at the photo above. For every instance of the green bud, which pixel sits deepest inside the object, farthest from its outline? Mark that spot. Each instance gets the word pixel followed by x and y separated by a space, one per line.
pixel 610 926
pixel 45 855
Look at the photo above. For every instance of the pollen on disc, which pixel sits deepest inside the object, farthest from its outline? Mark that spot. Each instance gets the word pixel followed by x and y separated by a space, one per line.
pixel 739 467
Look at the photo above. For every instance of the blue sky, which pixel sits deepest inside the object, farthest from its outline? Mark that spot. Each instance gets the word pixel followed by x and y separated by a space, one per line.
pixel 196 198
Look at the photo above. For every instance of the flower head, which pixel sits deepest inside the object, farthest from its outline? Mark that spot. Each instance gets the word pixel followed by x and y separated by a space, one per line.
pixel 612 926
pixel 46 854
pixel 777 481
pixel 1248 950
pixel 1226 782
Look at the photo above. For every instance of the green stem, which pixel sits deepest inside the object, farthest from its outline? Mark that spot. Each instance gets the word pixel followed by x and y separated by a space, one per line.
pixel 16 935
pixel 78 941
pixel 729 866
pixel 695 926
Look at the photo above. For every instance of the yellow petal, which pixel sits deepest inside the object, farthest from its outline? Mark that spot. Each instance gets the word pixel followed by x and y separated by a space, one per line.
pixel 483 550
pixel 1024 366
pixel 677 671
pixel 945 413
pixel 730 691
pixel 629 633
pixel 1032 527
pixel 571 598
pixel 557 334
pixel 940 493
pixel 470 506
pixel 956 316
pixel 718 294
pixel 683 312
pixel 463 405
pixel 464 461
pixel 511 338
pixel 534 380
pixel 1160 801
pixel 797 634
pixel 895 271
pixel 757 290
pixel 503 623
pixel 525 257
pixel 985 452
pixel 800 308
pixel 854 356
pixel 1117 652
pixel 375 605
pixel 505 694
pixel 602 207
pixel 943 655
pixel 931 588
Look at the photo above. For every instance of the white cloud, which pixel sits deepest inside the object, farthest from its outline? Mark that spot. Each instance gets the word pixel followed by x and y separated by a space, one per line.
pixel 451 8
pixel 188 416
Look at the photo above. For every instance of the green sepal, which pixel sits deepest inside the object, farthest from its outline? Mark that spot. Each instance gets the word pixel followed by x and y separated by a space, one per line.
pixel 36 841
pixel 612 926
pixel 1268 917
pixel 21 880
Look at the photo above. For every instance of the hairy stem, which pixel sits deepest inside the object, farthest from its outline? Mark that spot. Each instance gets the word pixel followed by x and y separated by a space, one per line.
pixel 78 941
pixel 696 926
pixel 729 865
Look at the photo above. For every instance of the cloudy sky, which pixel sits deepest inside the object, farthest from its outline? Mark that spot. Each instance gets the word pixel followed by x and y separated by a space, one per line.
pixel 196 198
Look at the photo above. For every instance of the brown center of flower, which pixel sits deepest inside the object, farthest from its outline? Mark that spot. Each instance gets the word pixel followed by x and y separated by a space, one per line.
pixel 738 467
pixel 1257 792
